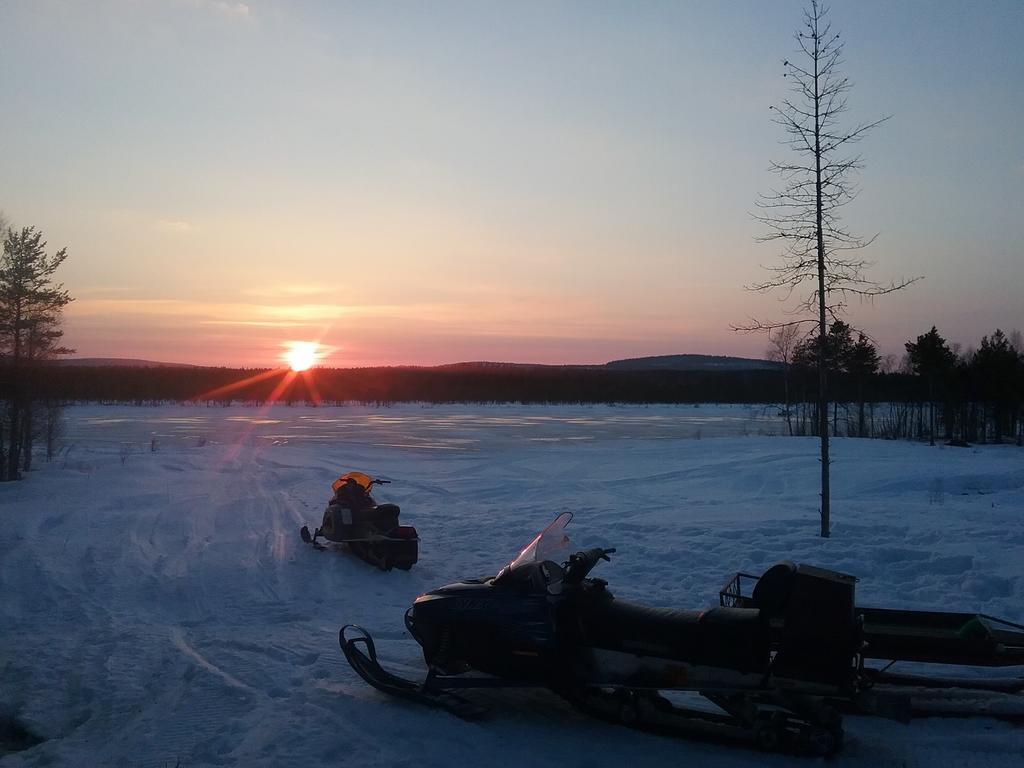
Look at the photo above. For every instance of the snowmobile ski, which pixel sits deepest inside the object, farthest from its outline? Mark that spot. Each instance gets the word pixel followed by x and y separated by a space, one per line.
pixel 364 662
pixel 989 684
pixel 746 720
pixel 306 537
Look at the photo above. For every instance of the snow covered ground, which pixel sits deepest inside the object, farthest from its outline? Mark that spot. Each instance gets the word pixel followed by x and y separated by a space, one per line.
pixel 159 606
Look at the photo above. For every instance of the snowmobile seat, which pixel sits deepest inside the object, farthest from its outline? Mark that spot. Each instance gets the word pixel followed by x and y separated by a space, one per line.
pixel 387 509
pixel 381 516
pixel 728 637
pixel 385 516
pixel 737 618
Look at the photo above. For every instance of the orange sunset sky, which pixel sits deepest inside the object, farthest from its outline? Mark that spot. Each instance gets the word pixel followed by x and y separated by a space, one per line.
pixel 422 183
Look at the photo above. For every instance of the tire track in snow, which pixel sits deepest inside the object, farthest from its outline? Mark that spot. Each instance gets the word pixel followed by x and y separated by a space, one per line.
pixel 178 638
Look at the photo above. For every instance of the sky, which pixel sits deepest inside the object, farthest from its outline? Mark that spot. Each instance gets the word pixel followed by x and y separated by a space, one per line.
pixel 555 182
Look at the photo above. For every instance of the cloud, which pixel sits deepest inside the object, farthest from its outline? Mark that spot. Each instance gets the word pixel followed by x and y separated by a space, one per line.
pixel 133 306
pixel 170 225
pixel 290 291
pixel 105 291
pixel 228 8
pixel 421 332
pixel 258 323
pixel 222 313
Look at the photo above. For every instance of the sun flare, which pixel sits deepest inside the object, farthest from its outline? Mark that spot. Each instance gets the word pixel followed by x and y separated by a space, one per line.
pixel 301 354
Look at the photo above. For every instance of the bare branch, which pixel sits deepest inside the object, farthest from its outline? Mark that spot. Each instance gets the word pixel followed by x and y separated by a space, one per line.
pixel 760 326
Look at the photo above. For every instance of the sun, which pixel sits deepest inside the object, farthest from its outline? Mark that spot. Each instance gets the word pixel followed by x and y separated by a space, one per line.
pixel 301 354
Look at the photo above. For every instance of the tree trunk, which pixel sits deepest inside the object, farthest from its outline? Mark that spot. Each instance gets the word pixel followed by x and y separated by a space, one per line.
pixel 860 406
pixel 17 397
pixel 26 438
pixel 52 429
pixel 822 363
pixel 785 386
pixel 931 406
pixel 3 439
pixel 14 437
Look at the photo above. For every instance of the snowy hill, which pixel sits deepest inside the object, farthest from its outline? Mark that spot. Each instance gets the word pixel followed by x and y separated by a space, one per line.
pixel 118 362
pixel 693 363
pixel 657 363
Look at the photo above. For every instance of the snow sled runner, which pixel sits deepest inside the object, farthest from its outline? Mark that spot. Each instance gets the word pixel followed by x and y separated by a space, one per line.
pixel 774 668
pixel 369 529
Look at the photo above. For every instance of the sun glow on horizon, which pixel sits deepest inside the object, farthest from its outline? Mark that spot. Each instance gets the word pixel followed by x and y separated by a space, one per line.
pixel 301 355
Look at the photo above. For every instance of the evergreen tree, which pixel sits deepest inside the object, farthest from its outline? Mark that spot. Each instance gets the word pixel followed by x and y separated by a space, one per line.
pixel 996 366
pixel 837 346
pixel 30 320
pixel 862 362
pixel 931 358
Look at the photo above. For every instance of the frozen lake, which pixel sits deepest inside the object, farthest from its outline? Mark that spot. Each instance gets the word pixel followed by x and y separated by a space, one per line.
pixel 424 427
pixel 157 607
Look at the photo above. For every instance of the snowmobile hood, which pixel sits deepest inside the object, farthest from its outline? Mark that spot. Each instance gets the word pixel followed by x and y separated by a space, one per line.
pixel 458 588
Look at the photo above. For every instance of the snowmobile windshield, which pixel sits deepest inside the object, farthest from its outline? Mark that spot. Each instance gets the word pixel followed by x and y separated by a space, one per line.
pixel 365 481
pixel 550 544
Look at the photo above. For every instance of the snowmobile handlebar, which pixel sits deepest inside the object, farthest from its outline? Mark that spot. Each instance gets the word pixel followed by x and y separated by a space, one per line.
pixel 582 563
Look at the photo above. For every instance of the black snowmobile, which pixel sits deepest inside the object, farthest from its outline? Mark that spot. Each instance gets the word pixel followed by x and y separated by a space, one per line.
pixel 369 529
pixel 775 667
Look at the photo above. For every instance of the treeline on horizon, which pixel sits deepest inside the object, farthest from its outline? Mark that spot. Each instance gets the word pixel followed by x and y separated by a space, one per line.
pixel 978 396
pixel 389 385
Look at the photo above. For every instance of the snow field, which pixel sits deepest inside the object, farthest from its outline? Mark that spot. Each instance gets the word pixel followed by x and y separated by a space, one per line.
pixel 160 607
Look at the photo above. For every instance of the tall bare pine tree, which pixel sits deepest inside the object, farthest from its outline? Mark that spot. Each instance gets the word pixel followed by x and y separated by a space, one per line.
pixel 819 264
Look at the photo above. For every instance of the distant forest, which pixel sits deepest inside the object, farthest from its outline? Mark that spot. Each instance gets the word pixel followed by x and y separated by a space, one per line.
pixel 964 401
pixel 479 384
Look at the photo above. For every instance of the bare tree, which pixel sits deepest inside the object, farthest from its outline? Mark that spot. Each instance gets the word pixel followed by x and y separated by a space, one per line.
pixel 889 364
pixel 819 261
pixel 5 385
pixel 1017 341
pixel 782 343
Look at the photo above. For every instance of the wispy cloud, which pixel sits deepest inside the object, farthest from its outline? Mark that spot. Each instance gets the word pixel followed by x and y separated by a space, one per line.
pixel 101 291
pixel 173 225
pixel 120 307
pixel 259 323
pixel 244 330
pixel 224 313
pixel 291 291
pixel 223 7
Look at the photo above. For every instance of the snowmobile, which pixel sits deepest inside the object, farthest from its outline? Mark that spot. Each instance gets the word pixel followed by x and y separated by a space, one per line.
pixel 775 667
pixel 369 529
